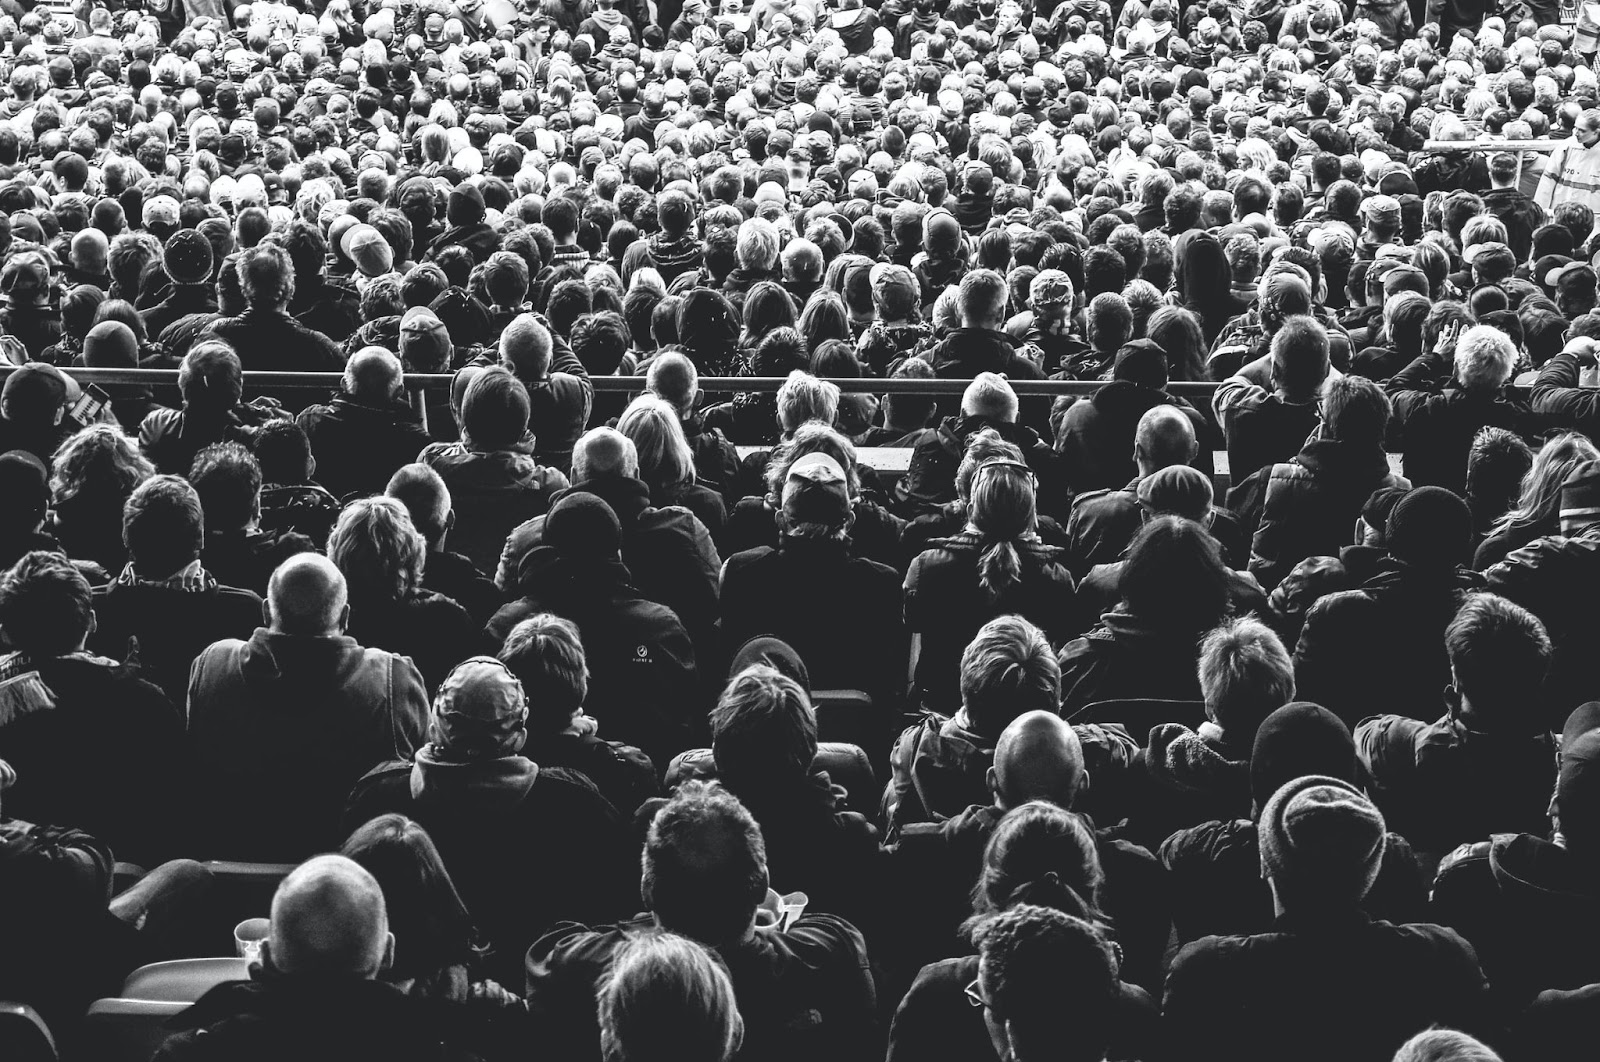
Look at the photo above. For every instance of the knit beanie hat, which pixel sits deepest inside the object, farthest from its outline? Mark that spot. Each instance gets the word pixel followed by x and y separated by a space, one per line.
pixel 1177 489
pixel 1299 739
pixel 1430 526
pixel 187 257
pixel 465 206
pixel 941 233
pixel 774 653
pixel 424 341
pixel 111 345
pixel 1321 841
pixel 1580 494
pixel 582 526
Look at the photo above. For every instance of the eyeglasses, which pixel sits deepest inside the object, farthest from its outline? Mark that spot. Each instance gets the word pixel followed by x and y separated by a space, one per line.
pixel 976 998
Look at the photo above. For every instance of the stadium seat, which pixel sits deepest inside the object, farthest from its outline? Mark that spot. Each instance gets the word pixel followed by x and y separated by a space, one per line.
pixel 1138 715
pixel 846 715
pixel 182 980
pixel 24 1037
pixel 847 765
pixel 125 1030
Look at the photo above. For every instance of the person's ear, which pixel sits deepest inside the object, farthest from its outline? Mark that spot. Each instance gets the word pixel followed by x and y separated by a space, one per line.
pixel 991 778
pixel 781 519
pixel 266 955
pixel 344 618
pixel 266 612
pixel 61 412
pixel 388 952
pixel 1452 701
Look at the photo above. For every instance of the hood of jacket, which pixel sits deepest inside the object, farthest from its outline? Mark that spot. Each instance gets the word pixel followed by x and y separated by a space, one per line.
pixel 299 662
pixel 1334 459
pixel 491 784
pixel 1186 761
pixel 980 349
pixel 1536 872
pixel 963 427
pixel 947 756
pixel 1128 399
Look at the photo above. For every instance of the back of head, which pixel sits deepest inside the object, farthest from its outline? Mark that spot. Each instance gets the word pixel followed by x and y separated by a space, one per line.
pixel 672 377
pixel 1245 675
pixel 1444 1045
pixel 990 396
pixel 228 479
pixel 1179 490
pixel 1300 358
pixel 1355 410
pixel 1164 437
pixel 804 397
pixel 424 494
pixel 1002 507
pixel 526 347
pixel 1485 358
pixel 982 299
pixel 1430 527
pixel 307 596
pixel 1006 670
pixel 1040 853
pixel 1038 757
pixel 705 865
pixel 1499 656
pixel 601 452
pixel 495 410
pixel 665 460
pixel 1053 978
pixel 1296 740
pixel 373 374
pixel 46 606
pixel 1322 843
pixel 420 899
pixel 666 1000
pixel 211 377
pixel 379 551
pixel 1174 577
pixel 163 526
pixel 546 654
pixel 763 730
pixel 329 920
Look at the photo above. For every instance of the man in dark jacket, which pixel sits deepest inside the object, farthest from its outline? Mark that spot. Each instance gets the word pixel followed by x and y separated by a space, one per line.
pixel 283 724
pixel 1394 622
pixel 316 995
pixel 363 436
pixel 1096 435
pixel 1529 905
pixel 940 765
pixel 449 574
pixel 668 550
pixel 643 688
pixel 265 336
pixel 1215 868
pixel 1484 767
pixel 1326 978
pixel 92 743
pixel 33 409
pixel 228 479
pixel 1557 397
pixel 1269 407
pixel 560 396
pixel 464 211
pixel 672 378
pixel 187 260
pixel 1307 506
pixel 980 344
pixel 988 403
pixel 1520 214
pixel 841 613
pixel 805 990
pixel 164 608
pixel 1439 420
pixel 1555 578
pixel 502 820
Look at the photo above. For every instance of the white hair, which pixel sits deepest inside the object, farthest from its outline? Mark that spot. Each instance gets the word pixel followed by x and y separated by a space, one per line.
pixel 804 397
pixel 989 394
pixel 1485 358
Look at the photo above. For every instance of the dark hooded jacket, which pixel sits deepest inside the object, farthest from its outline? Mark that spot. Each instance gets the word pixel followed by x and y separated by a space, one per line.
pixel 283 725
pixel 1530 908
pixel 1556 578
pixel 930 478
pixel 1439 420
pixel 1126 656
pixel 1095 436
pixel 359 445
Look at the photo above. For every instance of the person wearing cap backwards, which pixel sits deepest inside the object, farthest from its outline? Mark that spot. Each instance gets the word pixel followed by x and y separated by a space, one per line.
pixel 33 409
pixel 29 312
pixel 1327 981
pixel 1572 174
pixel 1528 902
pixel 187 260
pixel 841 613
pixel 503 822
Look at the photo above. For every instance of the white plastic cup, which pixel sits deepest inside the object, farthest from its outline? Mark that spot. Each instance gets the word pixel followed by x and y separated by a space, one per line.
pixel 249 935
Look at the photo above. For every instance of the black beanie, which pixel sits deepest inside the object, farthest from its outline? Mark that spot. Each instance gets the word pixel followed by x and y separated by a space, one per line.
pixel 582 526
pixel 465 206
pixel 1296 740
pixel 1430 526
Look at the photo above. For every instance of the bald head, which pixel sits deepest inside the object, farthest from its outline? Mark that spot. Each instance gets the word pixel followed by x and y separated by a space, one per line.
pixel 328 919
pixel 1164 437
pixel 603 452
pixel 525 348
pixel 373 374
pixel 673 379
pixel 307 595
pixel 1038 757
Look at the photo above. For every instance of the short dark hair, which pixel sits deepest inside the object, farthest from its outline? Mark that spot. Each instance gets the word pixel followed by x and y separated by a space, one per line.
pixel 705 864
pixel 228 479
pixel 560 216
pixel 546 654
pixel 1355 409
pixel 163 526
pixel 600 340
pixel 1499 654
pixel 46 605
pixel 763 727
pixel 495 410
pixel 1050 979
pixel 284 452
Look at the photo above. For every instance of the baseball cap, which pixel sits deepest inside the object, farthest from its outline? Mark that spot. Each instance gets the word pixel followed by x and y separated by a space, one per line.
pixel 816 491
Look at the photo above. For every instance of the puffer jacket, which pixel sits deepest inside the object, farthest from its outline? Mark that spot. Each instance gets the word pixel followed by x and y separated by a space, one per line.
pixel 1531 910
pixel 1311 503
pixel 283 725
pixel 1441 785
pixel 493 492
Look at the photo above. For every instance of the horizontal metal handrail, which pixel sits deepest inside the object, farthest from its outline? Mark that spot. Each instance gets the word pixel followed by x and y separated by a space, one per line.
pixel 328 381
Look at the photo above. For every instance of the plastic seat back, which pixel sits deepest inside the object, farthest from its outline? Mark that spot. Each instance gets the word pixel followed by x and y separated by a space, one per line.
pixel 24 1037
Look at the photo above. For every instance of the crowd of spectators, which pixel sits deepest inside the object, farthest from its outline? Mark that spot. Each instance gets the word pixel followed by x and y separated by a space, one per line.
pixel 1136 721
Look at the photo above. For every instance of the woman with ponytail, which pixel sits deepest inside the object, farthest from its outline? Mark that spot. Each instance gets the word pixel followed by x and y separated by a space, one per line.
pixel 1045 856
pixel 996 566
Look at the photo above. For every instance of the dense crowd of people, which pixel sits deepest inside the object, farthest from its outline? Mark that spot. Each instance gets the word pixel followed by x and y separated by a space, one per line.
pixel 1145 723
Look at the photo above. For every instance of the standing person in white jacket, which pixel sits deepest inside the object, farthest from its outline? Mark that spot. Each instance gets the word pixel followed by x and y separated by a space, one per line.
pixel 1573 171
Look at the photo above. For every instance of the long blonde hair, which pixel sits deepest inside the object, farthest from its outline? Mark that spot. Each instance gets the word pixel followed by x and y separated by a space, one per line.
pixel 1541 486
